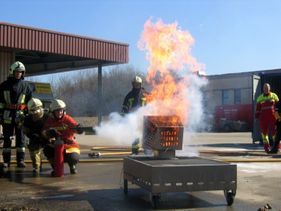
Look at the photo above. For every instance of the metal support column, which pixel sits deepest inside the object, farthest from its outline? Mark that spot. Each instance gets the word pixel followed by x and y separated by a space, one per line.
pixel 6 59
pixel 100 101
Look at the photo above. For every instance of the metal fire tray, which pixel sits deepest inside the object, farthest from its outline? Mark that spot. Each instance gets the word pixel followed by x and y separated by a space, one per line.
pixel 181 174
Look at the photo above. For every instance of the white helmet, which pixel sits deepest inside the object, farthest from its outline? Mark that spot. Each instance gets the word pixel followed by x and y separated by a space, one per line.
pixel 137 79
pixel 57 104
pixel 34 103
pixel 35 107
pixel 137 82
pixel 17 66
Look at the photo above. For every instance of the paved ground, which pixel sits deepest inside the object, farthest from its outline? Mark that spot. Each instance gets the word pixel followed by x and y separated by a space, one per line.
pixel 99 183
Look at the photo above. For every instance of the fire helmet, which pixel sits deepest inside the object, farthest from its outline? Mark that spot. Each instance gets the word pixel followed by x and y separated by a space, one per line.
pixel 56 105
pixel 35 107
pixel 17 66
pixel 137 82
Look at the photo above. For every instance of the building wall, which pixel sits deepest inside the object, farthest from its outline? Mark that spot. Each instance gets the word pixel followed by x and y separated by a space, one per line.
pixel 229 97
pixel 221 90
pixel 6 59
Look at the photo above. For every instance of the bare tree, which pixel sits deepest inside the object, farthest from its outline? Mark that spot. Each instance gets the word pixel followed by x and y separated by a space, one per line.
pixel 80 94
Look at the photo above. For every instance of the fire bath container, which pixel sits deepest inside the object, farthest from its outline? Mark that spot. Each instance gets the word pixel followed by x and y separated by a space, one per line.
pixel 164 172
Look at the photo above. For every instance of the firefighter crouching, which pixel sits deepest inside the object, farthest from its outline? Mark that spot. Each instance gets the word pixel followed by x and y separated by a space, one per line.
pixel 265 112
pixel 14 95
pixel 61 126
pixel 32 127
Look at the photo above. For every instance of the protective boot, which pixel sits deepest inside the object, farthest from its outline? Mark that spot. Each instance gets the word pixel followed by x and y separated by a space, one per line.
pixel 136 147
pixel 73 169
pixel 275 148
pixel 36 172
pixel 6 165
pixel 21 164
pixel 53 174
pixel 20 159
pixel 266 147
pixel 6 158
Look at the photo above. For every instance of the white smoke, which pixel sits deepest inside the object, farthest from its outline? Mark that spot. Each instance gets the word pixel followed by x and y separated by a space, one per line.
pixel 195 115
pixel 123 130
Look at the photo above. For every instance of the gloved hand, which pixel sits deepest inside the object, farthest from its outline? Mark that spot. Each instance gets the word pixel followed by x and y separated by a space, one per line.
pixel 52 133
pixel 79 129
pixel 125 109
pixel 19 118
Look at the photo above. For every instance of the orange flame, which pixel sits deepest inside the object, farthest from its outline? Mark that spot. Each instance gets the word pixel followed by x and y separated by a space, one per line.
pixel 168 52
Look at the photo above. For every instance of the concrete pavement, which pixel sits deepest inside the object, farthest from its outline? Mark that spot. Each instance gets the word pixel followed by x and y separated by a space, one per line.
pixel 99 183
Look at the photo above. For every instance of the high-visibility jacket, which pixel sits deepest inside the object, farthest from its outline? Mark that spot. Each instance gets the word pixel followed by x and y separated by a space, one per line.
pixel 64 127
pixel 265 111
pixel 266 105
pixel 14 95
pixel 133 100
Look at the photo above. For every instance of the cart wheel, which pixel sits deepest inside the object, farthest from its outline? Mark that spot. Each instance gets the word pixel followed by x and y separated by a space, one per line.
pixel 155 199
pixel 229 196
pixel 126 186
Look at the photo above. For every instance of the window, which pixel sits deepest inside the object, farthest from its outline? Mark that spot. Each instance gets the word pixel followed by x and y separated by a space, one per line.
pixel 237 96
pixel 225 97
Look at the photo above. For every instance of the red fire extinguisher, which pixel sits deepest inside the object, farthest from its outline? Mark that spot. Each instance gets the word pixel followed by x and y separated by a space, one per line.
pixel 59 158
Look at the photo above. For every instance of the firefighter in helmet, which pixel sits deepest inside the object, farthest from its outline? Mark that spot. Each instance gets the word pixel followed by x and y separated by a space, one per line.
pixel 133 100
pixel 32 127
pixel 136 97
pixel 265 112
pixel 61 125
pixel 14 95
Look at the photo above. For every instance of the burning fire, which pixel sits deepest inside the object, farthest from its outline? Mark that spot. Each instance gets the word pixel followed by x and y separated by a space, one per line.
pixel 169 53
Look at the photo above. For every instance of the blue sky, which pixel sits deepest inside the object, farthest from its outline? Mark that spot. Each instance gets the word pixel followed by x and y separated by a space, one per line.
pixel 230 35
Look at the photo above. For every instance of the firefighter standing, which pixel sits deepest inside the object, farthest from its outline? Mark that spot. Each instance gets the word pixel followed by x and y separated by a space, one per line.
pixel 133 100
pixel 14 94
pixel 32 127
pixel 60 125
pixel 265 112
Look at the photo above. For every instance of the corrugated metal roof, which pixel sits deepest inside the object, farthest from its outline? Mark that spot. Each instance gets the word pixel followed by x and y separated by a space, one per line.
pixel 46 41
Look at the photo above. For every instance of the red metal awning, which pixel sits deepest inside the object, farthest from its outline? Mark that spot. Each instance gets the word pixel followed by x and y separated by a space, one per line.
pixel 45 51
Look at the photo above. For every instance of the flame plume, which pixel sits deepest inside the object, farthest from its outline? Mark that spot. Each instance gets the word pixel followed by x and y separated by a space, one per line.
pixel 170 63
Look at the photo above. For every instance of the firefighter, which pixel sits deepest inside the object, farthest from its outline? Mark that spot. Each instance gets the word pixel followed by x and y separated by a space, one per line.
pixel 133 100
pixel 14 94
pixel 60 125
pixel 32 127
pixel 265 112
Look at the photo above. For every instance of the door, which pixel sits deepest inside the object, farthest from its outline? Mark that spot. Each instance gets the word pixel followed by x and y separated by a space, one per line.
pixel 256 136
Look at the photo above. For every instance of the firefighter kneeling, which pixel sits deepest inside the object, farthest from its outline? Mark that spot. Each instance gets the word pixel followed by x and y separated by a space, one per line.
pixel 32 126
pixel 60 129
